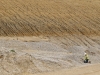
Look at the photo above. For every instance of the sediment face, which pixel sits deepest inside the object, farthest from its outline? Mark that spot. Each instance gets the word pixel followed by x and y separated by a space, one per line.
pixel 46 35
pixel 49 17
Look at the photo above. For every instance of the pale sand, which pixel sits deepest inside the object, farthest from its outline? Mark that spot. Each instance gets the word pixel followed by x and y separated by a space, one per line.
pixel 25 38
pixel 84 70
pixel 45 56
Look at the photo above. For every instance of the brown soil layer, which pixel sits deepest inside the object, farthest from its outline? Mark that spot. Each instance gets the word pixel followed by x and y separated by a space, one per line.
pixel 49 17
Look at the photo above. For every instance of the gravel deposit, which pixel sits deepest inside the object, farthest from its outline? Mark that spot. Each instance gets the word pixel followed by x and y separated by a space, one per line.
pixel 18 56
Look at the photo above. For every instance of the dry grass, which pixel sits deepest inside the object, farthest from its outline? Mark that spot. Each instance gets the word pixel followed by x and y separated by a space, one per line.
pixel 49 17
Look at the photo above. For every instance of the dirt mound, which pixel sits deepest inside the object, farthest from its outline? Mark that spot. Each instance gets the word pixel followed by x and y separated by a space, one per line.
pixel 15 63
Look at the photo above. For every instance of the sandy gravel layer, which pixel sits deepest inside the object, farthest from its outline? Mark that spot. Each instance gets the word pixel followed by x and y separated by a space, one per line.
pixel 23 55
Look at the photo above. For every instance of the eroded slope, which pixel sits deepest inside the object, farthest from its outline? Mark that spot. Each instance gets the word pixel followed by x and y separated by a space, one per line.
pixel 49 17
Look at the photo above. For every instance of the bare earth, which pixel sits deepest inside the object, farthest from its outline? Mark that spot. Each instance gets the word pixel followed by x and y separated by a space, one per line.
pixel 33 55
pixel 49 37
pixel 49 17
pixel 84 70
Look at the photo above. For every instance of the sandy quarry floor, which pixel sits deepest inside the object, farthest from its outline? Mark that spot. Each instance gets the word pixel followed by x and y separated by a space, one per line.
pixel 33 55
pixel 84 70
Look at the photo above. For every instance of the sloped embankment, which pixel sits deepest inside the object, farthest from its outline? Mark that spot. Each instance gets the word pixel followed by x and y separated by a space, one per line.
pixel 71 27
pixel 17 57
pixel 49 17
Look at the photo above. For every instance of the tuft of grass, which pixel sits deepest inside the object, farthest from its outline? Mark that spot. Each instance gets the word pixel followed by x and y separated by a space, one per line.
pixel 12 50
